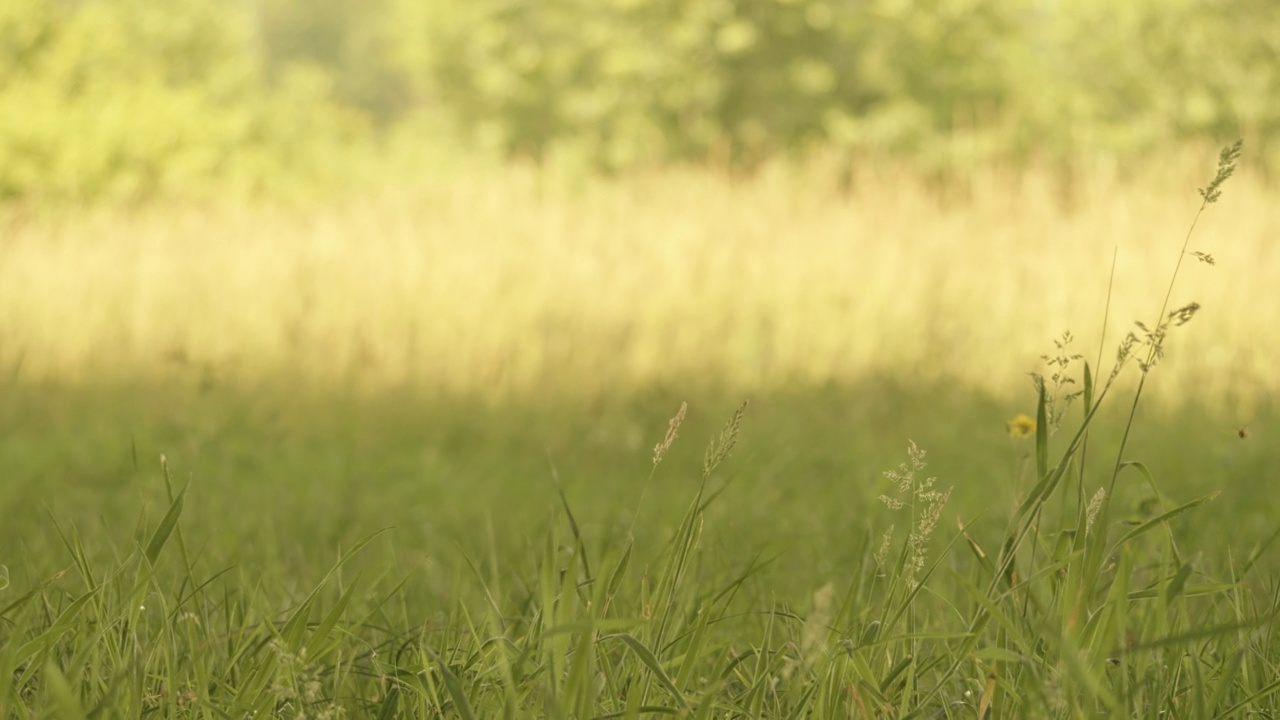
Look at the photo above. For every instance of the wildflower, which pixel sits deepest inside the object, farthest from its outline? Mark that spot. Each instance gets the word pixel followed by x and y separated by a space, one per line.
pixel 1021 426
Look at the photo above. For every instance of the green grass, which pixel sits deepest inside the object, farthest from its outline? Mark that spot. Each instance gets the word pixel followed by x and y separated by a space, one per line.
pixel 281 485
pixel 408 553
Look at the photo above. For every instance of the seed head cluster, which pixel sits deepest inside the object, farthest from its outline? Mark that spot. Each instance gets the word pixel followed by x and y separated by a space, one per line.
pixel 926 505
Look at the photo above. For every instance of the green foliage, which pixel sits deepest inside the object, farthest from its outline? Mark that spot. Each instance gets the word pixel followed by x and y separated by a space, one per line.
pixel 350 42
pixel 129 99
pixel 1119 79
pixel 946 82
pixel 641 81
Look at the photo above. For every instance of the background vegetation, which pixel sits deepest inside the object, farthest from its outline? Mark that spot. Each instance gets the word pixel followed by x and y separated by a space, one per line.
pixel 123 98
pixel 449 268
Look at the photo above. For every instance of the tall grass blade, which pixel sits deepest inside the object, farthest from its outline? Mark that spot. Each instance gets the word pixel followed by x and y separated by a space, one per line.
pixel 165 528
pixel 1088 389
pixel 649 660
pixel 1224 680
pixel 295 626
pixel 1234 711
pixel 390 705
pixel 320 633
pixel 452 686
pixel 64 696
pixel 1178 583
pixel 1159 520
pixel 1042 434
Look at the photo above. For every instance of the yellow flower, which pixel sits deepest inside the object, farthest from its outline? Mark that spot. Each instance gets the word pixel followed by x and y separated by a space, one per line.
pixel 1021 426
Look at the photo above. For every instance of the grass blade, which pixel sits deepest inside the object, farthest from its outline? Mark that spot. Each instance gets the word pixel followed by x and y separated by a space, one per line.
pixel 650 661
pixel 165 528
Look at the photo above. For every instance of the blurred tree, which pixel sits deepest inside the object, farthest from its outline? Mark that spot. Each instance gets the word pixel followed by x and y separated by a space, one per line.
pixel 943 81
pixel 131 98
pixel 348 41
pixel 134 97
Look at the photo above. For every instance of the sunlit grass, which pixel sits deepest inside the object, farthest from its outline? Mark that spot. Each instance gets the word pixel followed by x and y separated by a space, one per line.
pixel 511 282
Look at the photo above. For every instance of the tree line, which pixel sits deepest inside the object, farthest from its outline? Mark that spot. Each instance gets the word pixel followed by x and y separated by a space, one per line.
pixel 133 98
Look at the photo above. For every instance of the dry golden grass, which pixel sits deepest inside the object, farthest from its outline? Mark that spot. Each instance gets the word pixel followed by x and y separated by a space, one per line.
pixel 507 282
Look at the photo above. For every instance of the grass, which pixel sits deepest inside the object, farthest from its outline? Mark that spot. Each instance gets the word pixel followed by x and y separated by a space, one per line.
pixel 506 283
pixel 540 562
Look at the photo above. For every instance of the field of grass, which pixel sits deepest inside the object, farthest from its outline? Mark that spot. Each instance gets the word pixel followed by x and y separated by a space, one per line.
pixel 409 445
pixel 507 283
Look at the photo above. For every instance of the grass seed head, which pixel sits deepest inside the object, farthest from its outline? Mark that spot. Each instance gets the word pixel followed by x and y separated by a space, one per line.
pixel 673 430
pixel 926 505
pixel 720 447
pixel 1226 168
pixel 1095 506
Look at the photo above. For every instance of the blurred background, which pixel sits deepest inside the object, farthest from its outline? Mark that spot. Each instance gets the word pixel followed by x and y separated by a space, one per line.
pixel 124 99
pixel 391 261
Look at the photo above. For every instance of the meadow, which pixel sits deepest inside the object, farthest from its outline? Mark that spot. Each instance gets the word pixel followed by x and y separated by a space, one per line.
pixel 420 459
